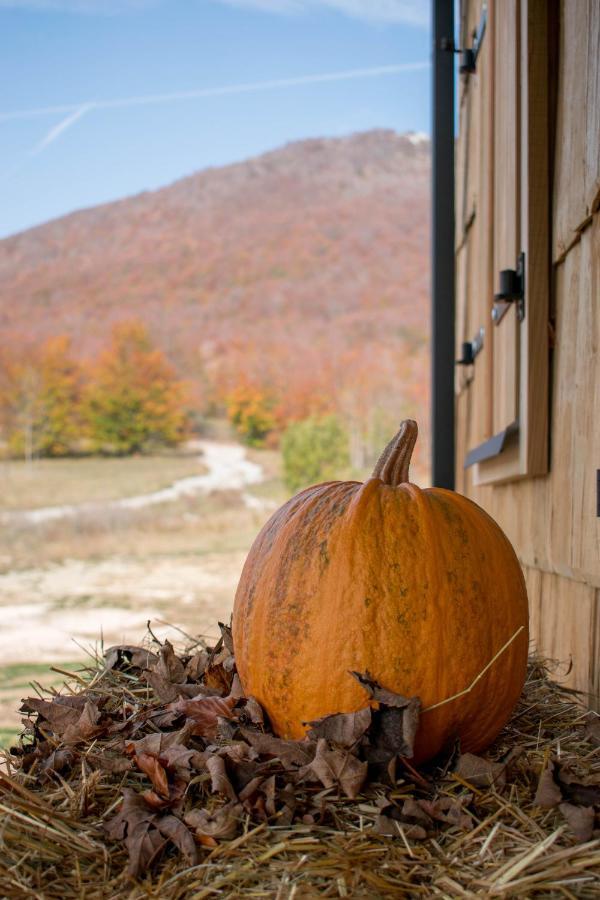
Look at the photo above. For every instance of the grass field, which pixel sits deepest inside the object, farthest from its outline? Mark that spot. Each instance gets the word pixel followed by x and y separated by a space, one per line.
pixel 53 482
pixel 65 583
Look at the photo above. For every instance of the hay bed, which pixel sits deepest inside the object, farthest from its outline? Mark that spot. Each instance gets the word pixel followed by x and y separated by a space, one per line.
pixel 53 842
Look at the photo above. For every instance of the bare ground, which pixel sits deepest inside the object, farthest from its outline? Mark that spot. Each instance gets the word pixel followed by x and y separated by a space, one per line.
pixel 94 574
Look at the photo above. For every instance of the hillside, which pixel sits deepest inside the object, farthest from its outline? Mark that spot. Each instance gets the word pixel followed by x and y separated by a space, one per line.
pixel 305 268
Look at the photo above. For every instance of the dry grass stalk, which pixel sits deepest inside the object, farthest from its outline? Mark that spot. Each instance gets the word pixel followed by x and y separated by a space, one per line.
pixel 53 844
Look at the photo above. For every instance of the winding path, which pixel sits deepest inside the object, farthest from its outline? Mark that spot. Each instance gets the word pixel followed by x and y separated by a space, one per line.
pixel 228 469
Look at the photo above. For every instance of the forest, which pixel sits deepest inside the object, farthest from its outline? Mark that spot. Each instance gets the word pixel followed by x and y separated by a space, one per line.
pixel 286 292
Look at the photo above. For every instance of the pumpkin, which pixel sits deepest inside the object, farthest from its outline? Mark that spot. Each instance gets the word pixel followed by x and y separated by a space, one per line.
pixel 419 588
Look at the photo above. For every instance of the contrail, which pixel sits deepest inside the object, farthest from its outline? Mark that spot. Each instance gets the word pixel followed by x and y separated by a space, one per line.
pixel 60 128
pixel 78 109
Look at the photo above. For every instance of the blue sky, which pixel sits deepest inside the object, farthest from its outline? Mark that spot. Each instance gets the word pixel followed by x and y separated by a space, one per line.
pixel 68 55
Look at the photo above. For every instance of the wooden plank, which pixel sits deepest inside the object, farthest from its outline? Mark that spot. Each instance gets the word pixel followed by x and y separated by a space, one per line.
pixel 507 238
pixel 565 626
pixel 535 239
pixel 552 521
pixel 471 196
pixel 462 418
pixel 521 349
pixel 577 164
pixel 462 374
pixel 498 469
pixel 533 581
pixel 467 146
pixel 474 271
pixel 582 357
pixel 481 284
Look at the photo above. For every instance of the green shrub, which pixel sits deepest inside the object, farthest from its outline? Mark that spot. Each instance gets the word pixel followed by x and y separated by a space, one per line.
pixel 314 450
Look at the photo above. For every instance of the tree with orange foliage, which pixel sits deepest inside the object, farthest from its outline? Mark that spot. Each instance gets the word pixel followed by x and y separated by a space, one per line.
pixel 62 385
pixel 250 410
pixel 40 393
pixel 134 398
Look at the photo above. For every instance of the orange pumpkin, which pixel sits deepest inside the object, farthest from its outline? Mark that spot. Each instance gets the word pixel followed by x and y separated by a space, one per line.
pixel 420 588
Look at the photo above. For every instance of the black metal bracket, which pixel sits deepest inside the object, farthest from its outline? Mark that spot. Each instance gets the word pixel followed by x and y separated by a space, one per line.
pixel 470 349
pixel 468 55
pixel 512 290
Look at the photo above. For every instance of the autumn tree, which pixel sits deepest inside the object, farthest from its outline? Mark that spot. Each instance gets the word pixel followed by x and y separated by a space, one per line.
pixel 40 393
pixel 250 409
pixel 134 398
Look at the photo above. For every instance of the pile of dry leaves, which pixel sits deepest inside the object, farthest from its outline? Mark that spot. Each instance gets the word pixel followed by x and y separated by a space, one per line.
pixel 153 775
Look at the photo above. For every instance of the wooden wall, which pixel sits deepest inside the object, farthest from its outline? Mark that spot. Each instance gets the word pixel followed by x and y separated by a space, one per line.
pixel 552 519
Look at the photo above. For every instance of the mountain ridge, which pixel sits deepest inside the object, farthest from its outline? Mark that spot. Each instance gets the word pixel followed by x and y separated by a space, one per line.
pixel 289 267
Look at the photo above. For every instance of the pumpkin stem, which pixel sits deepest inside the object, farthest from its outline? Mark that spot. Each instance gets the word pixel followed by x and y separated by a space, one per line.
pixel 392 466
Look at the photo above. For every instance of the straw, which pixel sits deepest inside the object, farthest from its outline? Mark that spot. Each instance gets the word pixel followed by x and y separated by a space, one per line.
pixel 53 844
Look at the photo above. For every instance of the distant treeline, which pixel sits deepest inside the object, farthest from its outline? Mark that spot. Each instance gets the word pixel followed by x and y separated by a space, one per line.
pixel 329 412
pixel 127 399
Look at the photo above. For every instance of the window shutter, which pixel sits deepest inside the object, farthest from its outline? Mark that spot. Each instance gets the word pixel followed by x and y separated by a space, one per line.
pixel 507 239
pixel 509 387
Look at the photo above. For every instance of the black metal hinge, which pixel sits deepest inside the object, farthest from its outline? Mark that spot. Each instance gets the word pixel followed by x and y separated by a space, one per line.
pixel 512 290
pixel 470 349
pixel 468 55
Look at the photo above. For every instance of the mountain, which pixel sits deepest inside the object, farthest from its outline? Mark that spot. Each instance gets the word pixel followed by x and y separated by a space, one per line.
pixel 309 263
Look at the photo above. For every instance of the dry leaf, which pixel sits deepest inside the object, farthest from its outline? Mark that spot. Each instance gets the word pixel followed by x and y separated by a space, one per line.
pixel 218 678
pixel 395 723
pixel 219 780
pixel 548 793
pixel 60 712
pixel 150 766
pixel 86 727
pixel 290 753
pixel 258 798
pixel 167 763
pixel 222 824
pixel 250 710
pixel 226 729
pixel 204 712
pixel 174 829
pixel 75 718
pixel 481 772
pixel 592 728
pixel 170 749
pixel 125 657
pixel 379 693
pixel 449 810
pixel 575 791
pixel 57 761
pixel 106 763
pixel 580 820
pixel 412 810
pixel 393 731
pixel 169 666
pixel 236 689
pixel 394 828
pixel 226 637
pixel 338 768
pixel 145 833
pixel 195 666
pixel 343 729
pixel 163 689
